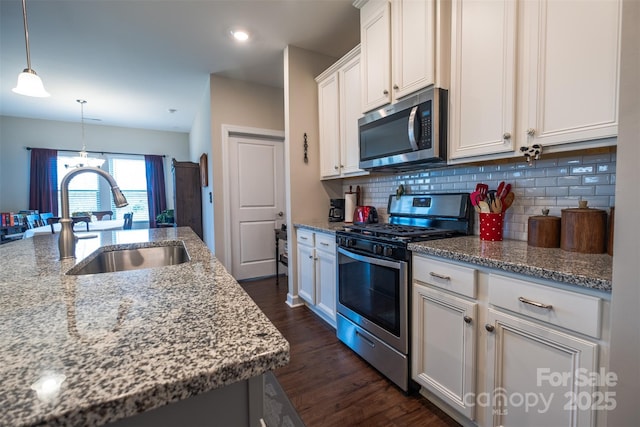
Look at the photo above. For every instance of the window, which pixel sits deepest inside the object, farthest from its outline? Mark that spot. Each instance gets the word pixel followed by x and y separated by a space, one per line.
pixel 131 176
pixel 88 192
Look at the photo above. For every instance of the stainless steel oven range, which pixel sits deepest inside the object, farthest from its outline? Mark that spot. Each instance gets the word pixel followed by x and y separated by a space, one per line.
pixel 374 272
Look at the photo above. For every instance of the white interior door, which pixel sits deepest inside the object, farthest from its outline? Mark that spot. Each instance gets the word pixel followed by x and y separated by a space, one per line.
pixel 257 196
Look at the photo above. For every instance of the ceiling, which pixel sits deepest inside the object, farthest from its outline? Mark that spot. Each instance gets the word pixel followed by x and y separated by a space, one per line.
pixel 135 60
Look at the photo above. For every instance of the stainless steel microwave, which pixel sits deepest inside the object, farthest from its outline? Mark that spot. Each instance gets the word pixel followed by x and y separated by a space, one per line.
pixel 406 135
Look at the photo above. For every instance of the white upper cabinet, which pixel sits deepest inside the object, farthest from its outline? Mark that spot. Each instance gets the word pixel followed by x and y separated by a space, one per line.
pixel 483 85
pixel 375 39
pixel 413 48
pixel 399 48
pixel 527 72
pixel 329 121
pixel 351 108
pixel 571 55
pixel 339 109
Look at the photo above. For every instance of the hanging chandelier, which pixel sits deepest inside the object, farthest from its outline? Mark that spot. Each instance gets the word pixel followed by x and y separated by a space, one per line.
pixel 83 158
pixel 29 83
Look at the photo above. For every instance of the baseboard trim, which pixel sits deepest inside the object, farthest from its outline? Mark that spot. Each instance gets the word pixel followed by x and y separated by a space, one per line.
pixel 294 301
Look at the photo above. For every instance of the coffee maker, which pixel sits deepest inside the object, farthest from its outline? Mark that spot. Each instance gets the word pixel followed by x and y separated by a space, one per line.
pixel 336 211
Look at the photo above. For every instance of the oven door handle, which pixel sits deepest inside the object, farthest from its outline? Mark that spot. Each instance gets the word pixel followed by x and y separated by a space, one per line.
pixel 376 261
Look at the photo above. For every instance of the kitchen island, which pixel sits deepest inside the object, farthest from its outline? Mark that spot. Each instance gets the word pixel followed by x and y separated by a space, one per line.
pixel 91 349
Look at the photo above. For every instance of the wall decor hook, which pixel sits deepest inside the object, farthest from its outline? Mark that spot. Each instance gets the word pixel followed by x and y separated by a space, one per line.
pixel 306 147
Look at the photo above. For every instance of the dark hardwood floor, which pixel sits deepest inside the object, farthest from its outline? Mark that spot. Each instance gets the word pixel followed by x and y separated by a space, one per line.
pixel 328 384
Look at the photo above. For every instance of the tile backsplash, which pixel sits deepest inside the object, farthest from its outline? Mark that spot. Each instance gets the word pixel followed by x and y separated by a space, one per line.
pixel 552 182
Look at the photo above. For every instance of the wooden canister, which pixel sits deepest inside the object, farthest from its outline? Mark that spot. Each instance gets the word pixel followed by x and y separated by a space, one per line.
pixel 544 230
pixel 583 230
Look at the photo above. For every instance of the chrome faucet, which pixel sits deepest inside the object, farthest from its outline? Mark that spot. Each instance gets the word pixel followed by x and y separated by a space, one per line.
pixel 67 240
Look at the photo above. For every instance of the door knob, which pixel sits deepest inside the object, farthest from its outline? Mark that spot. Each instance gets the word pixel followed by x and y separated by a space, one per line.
pixel 281 214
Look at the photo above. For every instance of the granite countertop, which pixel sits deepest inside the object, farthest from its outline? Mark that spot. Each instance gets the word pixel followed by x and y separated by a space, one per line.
pixel 102 347
pixel 587 270
pixel 321 226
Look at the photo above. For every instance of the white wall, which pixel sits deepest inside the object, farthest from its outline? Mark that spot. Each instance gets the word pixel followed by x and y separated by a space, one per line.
pixel 625 298
pixel 17 133
pixel 199 143
pixel 308 197
pixel 234 102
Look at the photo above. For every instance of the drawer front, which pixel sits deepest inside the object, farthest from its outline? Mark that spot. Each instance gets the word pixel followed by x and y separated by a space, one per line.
pixel 570 310
pixel 305 237
pixel 451 277
pixel 326 242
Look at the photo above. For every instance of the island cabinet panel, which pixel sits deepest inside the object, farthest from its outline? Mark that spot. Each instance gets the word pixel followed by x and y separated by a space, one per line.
pixel 239 404
pixel 187 195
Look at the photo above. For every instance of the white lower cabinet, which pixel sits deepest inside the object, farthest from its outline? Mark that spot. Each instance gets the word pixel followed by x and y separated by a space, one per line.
pixel 317 272
pixel 504 350
pixel 444 346
pixel 306 271
pixel 532 374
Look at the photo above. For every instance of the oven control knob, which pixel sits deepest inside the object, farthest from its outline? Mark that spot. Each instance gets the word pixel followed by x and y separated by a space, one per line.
pixel 351 243
pixel 388 251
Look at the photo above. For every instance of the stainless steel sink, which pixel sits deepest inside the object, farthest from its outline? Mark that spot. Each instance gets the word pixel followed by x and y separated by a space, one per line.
pixel 126 258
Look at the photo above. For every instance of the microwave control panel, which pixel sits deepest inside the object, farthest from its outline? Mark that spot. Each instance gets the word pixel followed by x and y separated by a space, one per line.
pixel 425 142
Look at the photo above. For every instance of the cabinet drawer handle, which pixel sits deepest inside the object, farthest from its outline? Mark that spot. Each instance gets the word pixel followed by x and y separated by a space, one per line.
pixel 535 303
pixel 439 276
pixel 303 238
pixel 489 327
pixel 467 319
pixel 324 243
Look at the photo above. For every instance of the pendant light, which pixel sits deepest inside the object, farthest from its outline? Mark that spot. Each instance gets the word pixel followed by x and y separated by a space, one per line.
pixel 29 83
pixel 83 158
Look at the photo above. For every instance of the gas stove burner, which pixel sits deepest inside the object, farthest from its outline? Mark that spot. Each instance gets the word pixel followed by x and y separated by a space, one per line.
pixel 397 231
pixel 412 218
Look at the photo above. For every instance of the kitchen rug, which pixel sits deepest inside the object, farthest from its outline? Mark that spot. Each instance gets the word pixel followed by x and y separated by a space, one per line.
pixel 278 410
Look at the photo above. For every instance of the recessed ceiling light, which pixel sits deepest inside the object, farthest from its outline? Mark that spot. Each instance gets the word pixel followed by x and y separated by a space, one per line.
pixel 239 35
